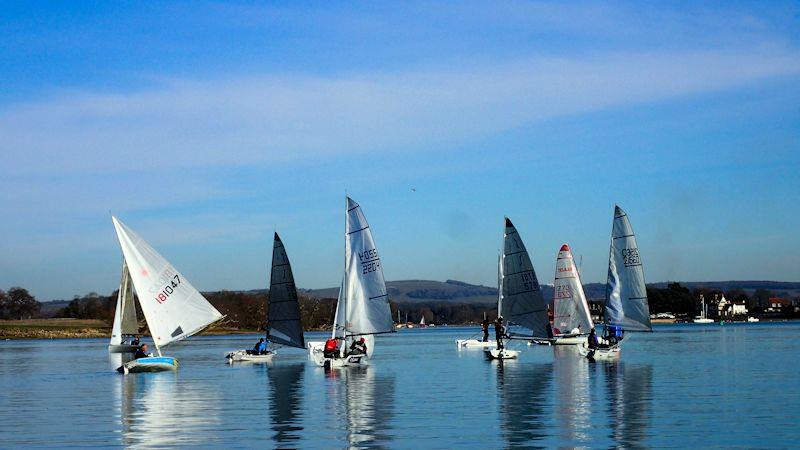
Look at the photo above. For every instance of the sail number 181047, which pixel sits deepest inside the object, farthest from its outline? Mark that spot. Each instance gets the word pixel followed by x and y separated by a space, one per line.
pixel 169 289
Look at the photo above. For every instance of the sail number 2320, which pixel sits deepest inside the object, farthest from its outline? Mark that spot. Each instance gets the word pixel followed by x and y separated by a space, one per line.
pixel 168 289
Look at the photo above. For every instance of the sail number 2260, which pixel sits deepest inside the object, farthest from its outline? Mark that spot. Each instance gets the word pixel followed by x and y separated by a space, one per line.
pixel 168 289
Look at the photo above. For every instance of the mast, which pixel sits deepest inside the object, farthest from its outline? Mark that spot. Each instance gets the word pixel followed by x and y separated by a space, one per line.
pixel 344 284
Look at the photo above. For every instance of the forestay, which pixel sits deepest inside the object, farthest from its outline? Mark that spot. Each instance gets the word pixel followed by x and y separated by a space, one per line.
pixel 521 301
pixel 172 307
pixel 571 309
pixel 125 323
pixel 366 301
pixel 626 294
pixel 283 317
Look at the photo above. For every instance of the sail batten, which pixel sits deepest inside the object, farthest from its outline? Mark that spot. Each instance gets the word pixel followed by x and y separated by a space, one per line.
pixel 521 301
pixel 283 315
pixel 170 304
pixel 626 293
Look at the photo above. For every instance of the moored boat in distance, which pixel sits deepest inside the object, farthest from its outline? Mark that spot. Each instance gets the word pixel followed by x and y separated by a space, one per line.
pixel 703 316
pixel 172 307
pixel 284 326
pixel 362 309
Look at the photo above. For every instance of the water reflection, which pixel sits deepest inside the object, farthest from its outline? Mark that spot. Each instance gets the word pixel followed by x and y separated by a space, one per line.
pixel 630 397
pixel 285 397
pixel 572 395
pixel 523 400
pixel 159 410
pixel 365 403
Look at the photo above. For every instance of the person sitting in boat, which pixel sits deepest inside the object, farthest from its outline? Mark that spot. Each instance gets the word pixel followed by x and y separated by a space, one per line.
pixel 485 328
pixel 141 352
pixel 358 347
pixel 260 348
pixel 135 340
pixel 331 349
pixel 499 332
pixel 576 330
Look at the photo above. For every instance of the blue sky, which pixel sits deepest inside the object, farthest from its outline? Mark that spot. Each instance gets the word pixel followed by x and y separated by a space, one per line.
pixel 204 125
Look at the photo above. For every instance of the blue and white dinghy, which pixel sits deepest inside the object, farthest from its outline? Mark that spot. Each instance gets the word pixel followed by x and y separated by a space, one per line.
pixel 626 307
pixel 520 302
pixel 172 307
pixel 283 313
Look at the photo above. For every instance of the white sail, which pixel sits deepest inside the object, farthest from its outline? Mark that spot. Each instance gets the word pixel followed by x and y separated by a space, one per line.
pixel 338 318
pixel 366 301
pixel 125 323
pixel 422 321
pixel 626 293
pixel 283 316
pixel 571 310
pixel 521 302
pixel 172 307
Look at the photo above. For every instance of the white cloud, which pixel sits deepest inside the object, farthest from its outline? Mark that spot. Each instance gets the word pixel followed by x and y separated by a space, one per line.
pixel 262 120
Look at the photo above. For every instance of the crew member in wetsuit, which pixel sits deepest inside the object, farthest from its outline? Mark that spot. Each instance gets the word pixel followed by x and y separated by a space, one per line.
pixel 141 352
pixel 499 332
pixel 592 340
pixel 358 347
pixel 485 328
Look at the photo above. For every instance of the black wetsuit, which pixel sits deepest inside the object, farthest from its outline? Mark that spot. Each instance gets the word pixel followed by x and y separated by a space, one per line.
pixel 485 326
pixel 140 354
pixel 498 334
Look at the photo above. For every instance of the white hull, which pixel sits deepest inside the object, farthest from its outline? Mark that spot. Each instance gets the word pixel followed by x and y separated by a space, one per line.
pixel 502 354
pixel 122 348
pixel 604 354
pixel 474 343
pixel 243 356
pixel 703 321
pixel 752 319
pixel 149 364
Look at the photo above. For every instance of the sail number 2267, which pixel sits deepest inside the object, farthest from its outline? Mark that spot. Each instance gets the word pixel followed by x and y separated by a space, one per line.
pixel 168 289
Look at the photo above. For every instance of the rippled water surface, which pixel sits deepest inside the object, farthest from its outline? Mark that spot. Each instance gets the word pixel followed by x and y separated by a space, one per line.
pixel 681 386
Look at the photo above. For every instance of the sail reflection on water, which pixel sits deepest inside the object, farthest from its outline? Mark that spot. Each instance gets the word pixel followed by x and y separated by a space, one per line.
pixel 364 403
pixel 285 396
pixel 159 410
pixel 630 397
pixel 573 406
pixel 524 406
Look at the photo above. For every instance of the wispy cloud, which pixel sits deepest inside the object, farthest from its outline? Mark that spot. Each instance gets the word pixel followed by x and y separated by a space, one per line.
pixel 262 120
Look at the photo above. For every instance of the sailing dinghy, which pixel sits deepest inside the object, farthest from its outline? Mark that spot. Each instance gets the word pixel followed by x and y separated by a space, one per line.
pixel 172 307
pixel 125 331
pixel 362 309
pixel 571 317
pixel 626 307
pixel 283 314
pixel 520 302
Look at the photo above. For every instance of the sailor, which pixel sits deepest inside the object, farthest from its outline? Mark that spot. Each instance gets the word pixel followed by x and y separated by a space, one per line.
pixel 592 340
pixel 331 349
pixel 499 332
pixel 135 340
pixel 141 352
pixel 358 347
pixel 576 330
pixel 485 328
pixel 260 348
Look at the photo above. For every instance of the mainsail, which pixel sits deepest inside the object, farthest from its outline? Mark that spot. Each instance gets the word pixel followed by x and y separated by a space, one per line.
pixel 570 307
pixel 283 318
pixel 521 302
pixel 125 323
pixel 626 294
pixel 366 303
pixel 172 307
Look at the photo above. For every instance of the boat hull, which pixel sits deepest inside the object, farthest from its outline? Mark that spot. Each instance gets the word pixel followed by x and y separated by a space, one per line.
pixel 702 321
pixel 243 356
pixel 571 340
pixel 149 364
pixel 603 354
pixel 502 354
pixel 474 343
pixel 122 348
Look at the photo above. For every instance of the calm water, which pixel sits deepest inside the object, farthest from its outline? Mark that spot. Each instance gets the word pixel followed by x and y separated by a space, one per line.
pixel 682 386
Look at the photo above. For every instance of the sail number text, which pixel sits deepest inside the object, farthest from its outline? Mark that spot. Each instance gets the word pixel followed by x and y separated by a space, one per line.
pixel 630 257
pixel 168 289
pixel 370 261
